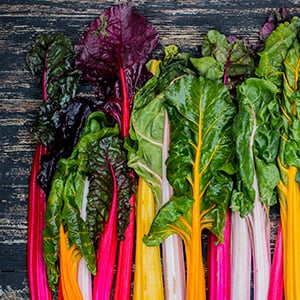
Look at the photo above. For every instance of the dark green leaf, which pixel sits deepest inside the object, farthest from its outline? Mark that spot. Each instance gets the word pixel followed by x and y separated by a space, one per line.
pixel 109 177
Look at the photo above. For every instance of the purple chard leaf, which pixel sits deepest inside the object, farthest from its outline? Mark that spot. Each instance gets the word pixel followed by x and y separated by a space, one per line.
pixel 112 54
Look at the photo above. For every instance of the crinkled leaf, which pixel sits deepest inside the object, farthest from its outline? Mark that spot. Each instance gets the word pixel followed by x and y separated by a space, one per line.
pixel 51 231
pixel 147 120
pixel 232 53
pixel 277 45
pixel 52 59
pixel 114 50
pixel 209 67
pixel 77 230
pixel 201 113
pixel 68 125
pixel 109 175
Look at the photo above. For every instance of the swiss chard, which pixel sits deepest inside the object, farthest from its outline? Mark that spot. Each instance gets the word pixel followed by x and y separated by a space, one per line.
pixel 279 63
pixel 52 58
pixel 200 151
pixel 112 54
pixel 111 187
pixel 257 131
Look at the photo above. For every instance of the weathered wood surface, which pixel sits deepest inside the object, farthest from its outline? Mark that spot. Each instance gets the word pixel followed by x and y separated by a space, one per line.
pixel 179 22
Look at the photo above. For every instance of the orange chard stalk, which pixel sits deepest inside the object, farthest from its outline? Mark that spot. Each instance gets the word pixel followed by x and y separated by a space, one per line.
pixel 69 259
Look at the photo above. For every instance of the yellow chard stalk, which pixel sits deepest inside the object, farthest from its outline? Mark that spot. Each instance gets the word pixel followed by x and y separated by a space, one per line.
pixel 148 273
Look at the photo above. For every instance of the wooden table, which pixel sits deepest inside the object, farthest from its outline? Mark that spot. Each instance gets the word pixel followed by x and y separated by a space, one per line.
pixel 178 22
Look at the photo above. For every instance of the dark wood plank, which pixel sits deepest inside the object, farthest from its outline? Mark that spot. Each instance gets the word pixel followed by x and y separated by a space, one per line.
pixel 179 22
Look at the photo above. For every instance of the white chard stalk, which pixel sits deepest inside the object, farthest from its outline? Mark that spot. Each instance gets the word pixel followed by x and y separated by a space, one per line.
pixel 84 275
pixel 240 258
pixel 259 227
pixel 172 247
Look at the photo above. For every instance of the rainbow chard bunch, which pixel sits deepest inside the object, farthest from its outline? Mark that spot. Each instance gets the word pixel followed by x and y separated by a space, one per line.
pixel 88 186
pixel 162 151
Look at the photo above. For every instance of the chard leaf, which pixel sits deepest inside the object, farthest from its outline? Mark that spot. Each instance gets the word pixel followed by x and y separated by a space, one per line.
pixel 112 54
pixel 277 45
pixel 209 67
pixel 51 232
pixel 146 135
pixel 290 155
pixel 67 128
pixel 201 113
pixel 52 59
pixel 108 176
pixel 77 230
pixel 147 121
pixel 232 56
pixel 257 132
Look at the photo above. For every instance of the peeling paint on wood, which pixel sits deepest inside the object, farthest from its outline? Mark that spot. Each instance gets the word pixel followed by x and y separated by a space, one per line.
pixel 178 22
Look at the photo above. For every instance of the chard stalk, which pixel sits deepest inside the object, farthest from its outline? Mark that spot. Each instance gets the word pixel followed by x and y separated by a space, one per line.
pixel 172 247
pixel 276 278
pixel 84 277
pixel 196 277
pixel 148 282
pixel 125 258
pixel 37 277
pixel 126 247
pixel 290 216
pixel 37 274
pixel 107 249
pixel 259 226
pixel 240 258
pixel 219 264
pixel 68 260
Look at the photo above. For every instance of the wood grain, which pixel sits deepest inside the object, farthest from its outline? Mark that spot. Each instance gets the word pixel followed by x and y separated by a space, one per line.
pixel 178 22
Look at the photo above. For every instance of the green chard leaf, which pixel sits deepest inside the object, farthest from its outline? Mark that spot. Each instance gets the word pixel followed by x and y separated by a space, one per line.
pixel 226 58
pixel 201 113
pixel 145 145
pixel 290 105
pixel 271 66
pixel 51 232
pixel 257 133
